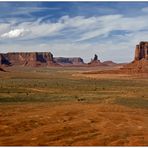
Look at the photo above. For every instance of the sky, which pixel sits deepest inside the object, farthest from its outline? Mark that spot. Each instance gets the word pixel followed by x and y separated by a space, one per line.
pixel 74 29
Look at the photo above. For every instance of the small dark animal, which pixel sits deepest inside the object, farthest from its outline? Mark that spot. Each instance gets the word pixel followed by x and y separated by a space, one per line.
pixel 81 99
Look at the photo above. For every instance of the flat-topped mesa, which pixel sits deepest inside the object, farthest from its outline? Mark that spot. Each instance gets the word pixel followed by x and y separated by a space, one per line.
pixel 69 61
pixel 27 59
pixel 77 61
pixel 40 59
pixel 141 51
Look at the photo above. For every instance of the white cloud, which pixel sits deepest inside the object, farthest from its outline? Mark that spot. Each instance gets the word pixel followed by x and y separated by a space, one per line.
pixel 14 33
pixel 83 28
pixel 78 21
pixel 106 24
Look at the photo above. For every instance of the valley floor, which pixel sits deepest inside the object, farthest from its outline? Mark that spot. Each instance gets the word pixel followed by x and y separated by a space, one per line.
pixel 63 107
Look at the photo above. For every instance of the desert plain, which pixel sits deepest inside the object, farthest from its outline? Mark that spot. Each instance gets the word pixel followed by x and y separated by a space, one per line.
pixel 72 106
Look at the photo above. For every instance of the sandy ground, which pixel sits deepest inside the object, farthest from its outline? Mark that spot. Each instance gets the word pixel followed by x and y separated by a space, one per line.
pixel 77 124
pixel 110 76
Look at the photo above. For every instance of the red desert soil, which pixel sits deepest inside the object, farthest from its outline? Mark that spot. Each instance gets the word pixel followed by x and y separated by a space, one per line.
pixel 77 124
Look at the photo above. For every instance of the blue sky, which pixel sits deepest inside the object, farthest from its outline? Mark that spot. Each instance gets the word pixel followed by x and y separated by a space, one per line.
pixel 109 29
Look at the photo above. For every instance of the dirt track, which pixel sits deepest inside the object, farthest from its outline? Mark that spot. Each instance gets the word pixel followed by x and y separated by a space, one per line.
pixel 72 124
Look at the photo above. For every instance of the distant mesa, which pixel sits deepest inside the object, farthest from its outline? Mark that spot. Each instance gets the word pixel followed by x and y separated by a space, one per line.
pixel 96 62
pixel 69 61
pixel 109 63
pixel 46 59
pixel 34 59
pixel 140 63
pixel 38 59
pixel 77 61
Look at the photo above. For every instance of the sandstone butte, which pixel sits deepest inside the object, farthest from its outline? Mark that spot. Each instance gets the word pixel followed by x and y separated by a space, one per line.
pixel 96 62
pixel 140 62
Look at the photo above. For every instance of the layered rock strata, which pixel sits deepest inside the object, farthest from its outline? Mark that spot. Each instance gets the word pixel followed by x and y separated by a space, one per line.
pixel 27 59
pixel 69 61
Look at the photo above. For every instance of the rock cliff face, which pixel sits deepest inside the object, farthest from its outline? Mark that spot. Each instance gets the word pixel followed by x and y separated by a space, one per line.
pixel 141 51
pixel 140 63
pixel 96 62
pixel 4 60
pixel 69 61
pixel 27 59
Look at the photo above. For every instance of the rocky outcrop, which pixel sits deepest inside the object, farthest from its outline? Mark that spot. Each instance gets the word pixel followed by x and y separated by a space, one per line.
pixel 69 61
pixel 27 59
pixel 140 66
pixel 141 51
pixel 96 62
pixel 140 62
pixel 4 60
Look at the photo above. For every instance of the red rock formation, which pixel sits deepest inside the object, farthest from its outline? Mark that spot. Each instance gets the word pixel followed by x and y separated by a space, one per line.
pixel 27 59
pixel 69 61
pixel 140 66
pixel 96 62
pixel 140 63
pixel 141 51
pixel 4 60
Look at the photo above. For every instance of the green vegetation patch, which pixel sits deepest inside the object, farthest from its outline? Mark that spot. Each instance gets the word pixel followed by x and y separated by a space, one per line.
pixel 58 84
pixel 133 102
